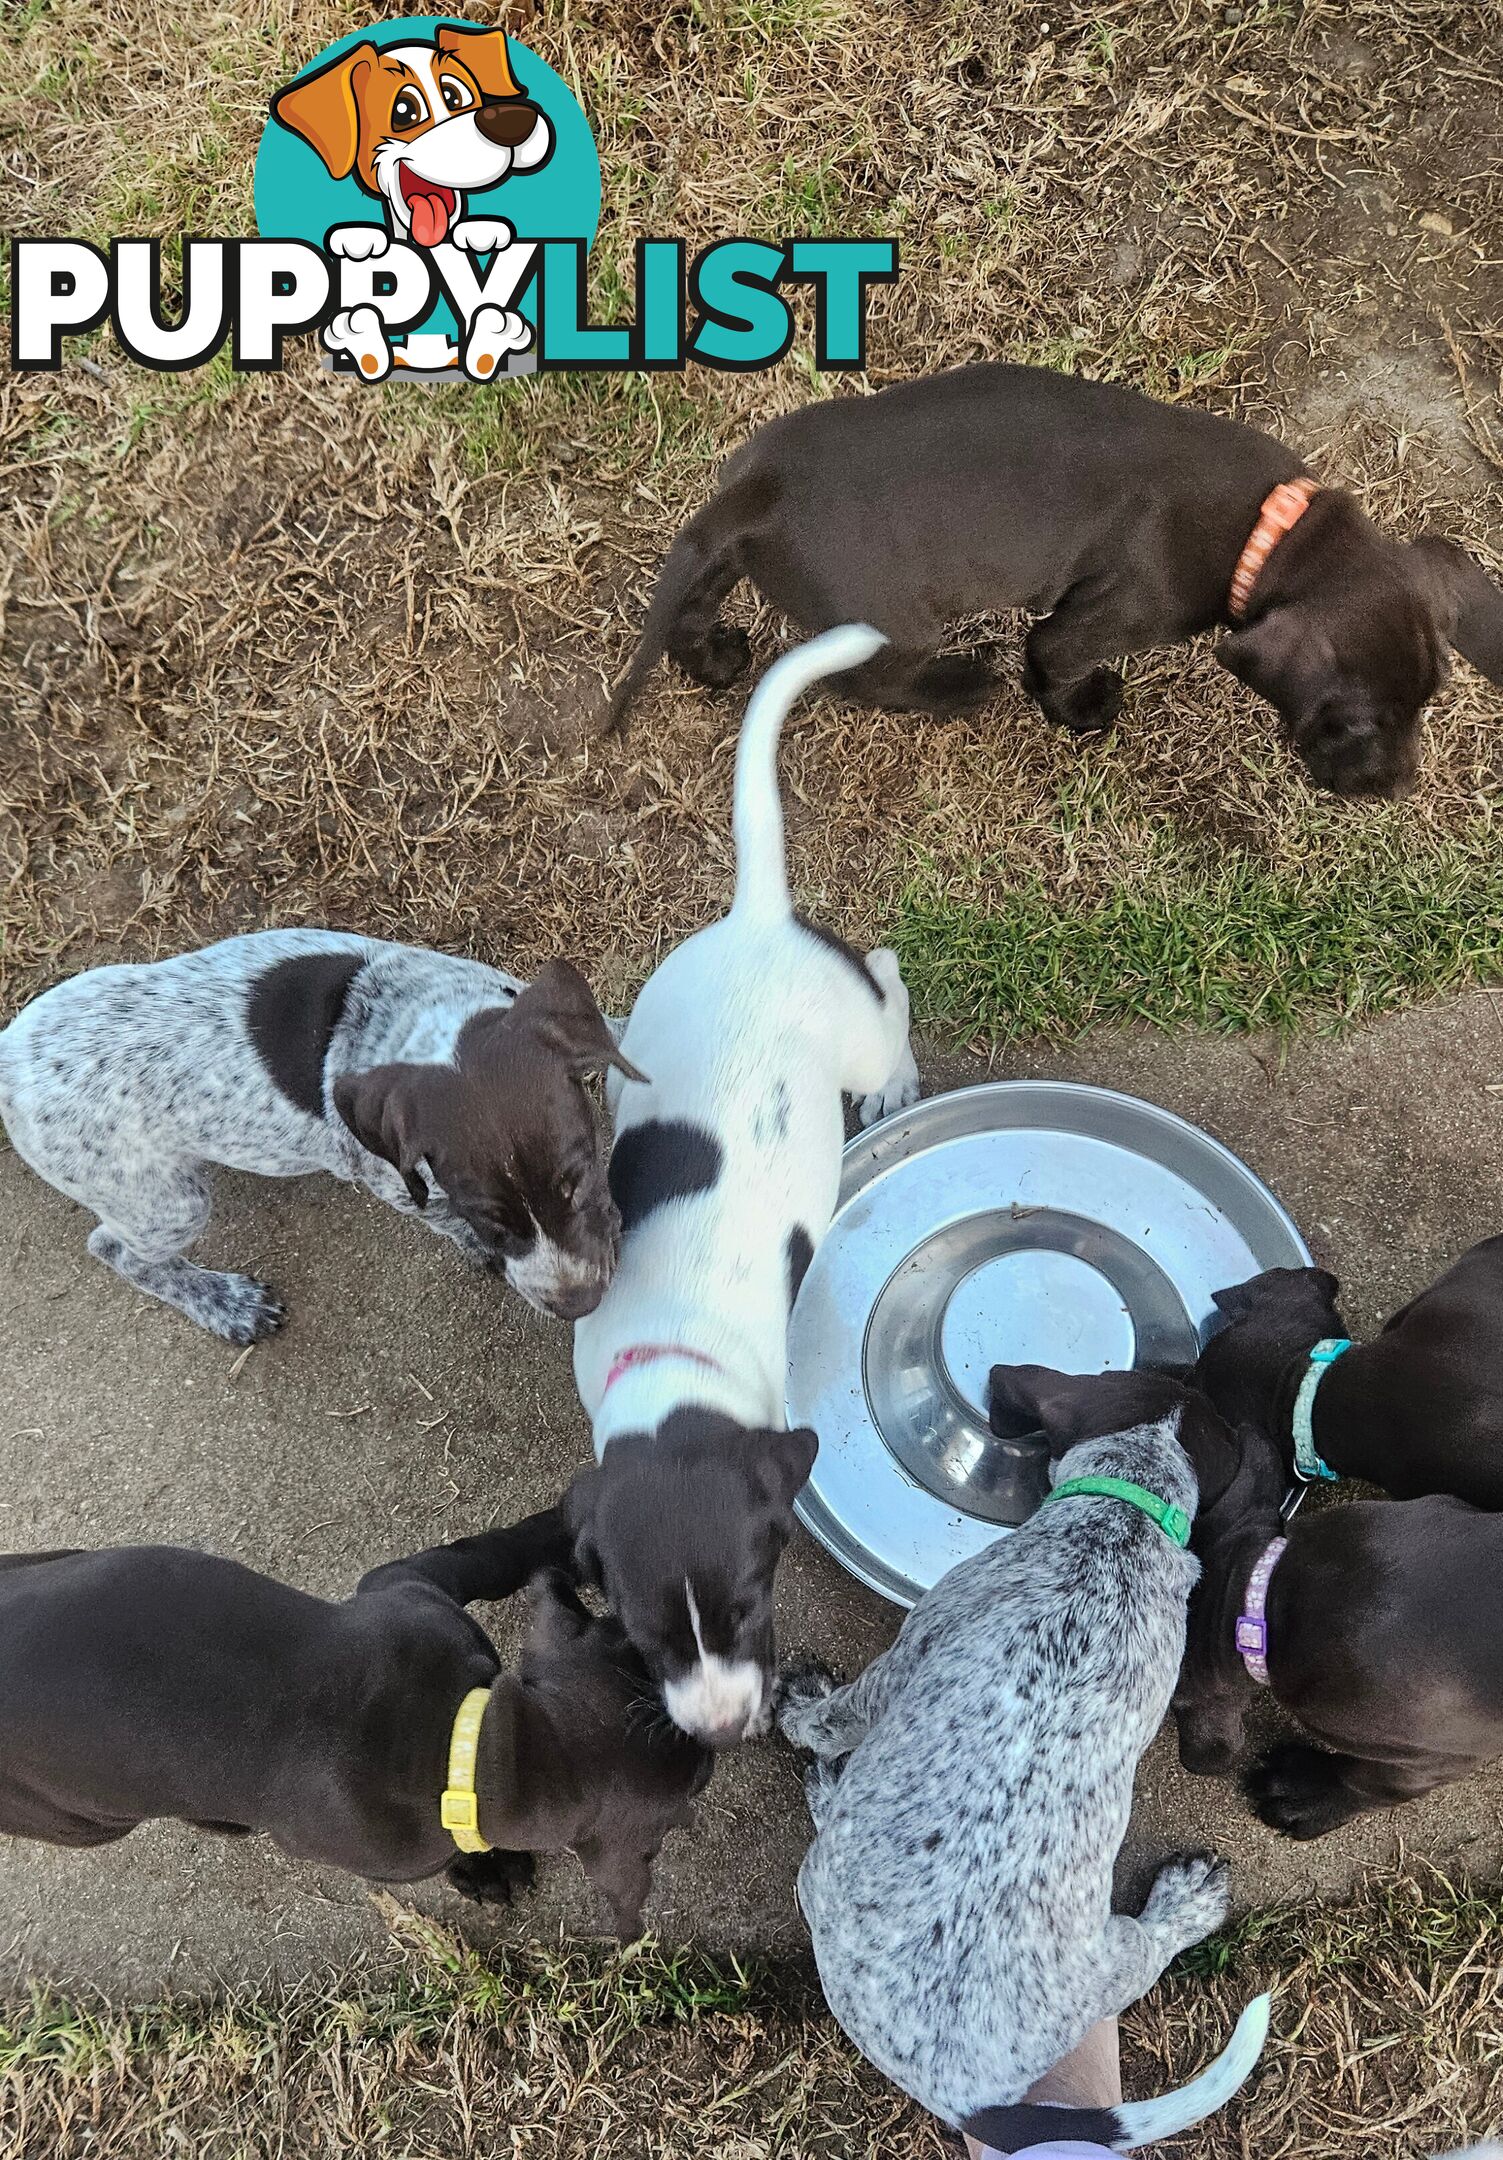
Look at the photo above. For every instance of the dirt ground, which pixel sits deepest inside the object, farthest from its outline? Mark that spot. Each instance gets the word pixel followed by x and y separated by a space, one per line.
pixel 284 649
pixel 407 1401
pixel 281 650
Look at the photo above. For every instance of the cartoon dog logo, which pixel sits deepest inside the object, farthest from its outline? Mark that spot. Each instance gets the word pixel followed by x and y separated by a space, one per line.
pixel 419 127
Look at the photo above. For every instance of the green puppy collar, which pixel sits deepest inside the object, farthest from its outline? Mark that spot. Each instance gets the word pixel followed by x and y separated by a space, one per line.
pixel 1172 1520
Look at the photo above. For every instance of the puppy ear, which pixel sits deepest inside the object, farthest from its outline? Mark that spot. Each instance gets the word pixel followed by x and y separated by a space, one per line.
pixel 382 1110
pixel 1066 1407
pixel 578 1505
pixel 787 1458
pixel 520 1774
pixel 1013 1400
pixel 1278 653
pixel 1237 1299
pixel 324 108
pixel 1242 1298
pixel 484 52
pixel 557 1616
pixel 1467 606
pixel 561 1011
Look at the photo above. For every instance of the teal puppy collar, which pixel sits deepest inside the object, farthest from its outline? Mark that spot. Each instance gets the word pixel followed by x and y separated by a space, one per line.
pixel 1307 1461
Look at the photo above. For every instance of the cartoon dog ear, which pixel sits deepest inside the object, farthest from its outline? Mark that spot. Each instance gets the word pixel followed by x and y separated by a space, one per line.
pixel 1467 606
pixel 560 1008
pixel 484 52
pixel 382 1111
pixel 324 108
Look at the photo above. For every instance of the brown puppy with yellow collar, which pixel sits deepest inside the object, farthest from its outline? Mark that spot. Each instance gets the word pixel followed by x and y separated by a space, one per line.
pixel 378 1735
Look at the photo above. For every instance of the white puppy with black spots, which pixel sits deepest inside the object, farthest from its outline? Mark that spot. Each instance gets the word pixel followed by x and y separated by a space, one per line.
pixel 726 1169
pixel 448 1089
pixel 971 1790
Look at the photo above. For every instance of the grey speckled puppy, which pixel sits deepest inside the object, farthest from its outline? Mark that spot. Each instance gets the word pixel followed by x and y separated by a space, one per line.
pixel 971 1790
pixel 449 1090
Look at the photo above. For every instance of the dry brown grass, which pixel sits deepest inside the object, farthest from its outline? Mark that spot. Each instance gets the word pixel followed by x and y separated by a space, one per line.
pixel 287 650
pixel 1387 2045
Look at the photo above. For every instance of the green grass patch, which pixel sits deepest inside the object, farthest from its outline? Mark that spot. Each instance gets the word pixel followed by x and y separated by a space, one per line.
pixel 1385 2039
pixel 1422 1917
pixel 1214 940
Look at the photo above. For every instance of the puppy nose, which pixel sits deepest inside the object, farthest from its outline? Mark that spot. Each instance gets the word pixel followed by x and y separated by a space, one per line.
pixel 507 124
pixel 575 1302
pixel 726 1734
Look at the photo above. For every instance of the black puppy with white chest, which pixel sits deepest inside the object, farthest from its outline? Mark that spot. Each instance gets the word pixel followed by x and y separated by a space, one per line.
pixel 1418 1409
pixel 148 1681
pixel 1120 522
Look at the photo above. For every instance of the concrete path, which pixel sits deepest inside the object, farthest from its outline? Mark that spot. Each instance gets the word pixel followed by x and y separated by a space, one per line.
pixel 407 1401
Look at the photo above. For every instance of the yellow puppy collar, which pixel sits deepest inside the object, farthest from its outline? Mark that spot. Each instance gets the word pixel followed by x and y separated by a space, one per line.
pixel 459 1808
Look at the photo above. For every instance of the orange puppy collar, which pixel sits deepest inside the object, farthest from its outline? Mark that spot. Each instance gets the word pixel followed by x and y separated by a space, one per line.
pixel 1280 513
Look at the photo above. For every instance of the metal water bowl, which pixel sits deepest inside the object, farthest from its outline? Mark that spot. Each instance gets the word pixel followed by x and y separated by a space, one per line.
pixel 1023 1222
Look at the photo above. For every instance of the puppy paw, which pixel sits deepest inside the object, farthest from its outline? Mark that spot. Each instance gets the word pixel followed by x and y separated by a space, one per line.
pixel 799 1687
pixel 491 1878
pixel 954 683
pixel 900 1093
pixel 1297 1791
pixel 1190 1898
pixel 1088 707
pixel 239 1308
pixel 723 653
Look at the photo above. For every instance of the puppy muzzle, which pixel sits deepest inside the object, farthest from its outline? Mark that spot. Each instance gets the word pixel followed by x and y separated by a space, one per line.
pixel 574 1301
pixel 558 1284
pixel 721 1701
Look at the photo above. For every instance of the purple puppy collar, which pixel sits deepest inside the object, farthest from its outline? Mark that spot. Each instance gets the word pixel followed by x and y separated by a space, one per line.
pixel 1252 1622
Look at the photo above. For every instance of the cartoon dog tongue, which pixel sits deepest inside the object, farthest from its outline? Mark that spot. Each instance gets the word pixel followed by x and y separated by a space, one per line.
pixel 429 214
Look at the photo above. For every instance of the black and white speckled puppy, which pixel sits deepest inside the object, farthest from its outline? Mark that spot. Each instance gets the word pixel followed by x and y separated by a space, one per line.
pixel 446 1088
pixel 972 1787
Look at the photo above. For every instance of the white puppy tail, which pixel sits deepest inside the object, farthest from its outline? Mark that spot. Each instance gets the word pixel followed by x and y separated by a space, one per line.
pixel 757 818
pixel 1132 2122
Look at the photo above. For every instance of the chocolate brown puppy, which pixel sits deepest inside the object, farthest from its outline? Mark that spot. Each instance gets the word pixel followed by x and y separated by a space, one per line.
pixel 152 1681
pixel 1418 1409
pixel 1120 522
pixel 1379 1630
pixel 1377 1625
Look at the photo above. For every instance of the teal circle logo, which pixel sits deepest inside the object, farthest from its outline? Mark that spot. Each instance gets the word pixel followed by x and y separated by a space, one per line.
pixel 430 156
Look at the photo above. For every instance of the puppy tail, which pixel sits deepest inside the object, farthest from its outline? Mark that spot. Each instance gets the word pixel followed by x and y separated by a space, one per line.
pixel 702 565
pixel 757 816
pixel 1135 2122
